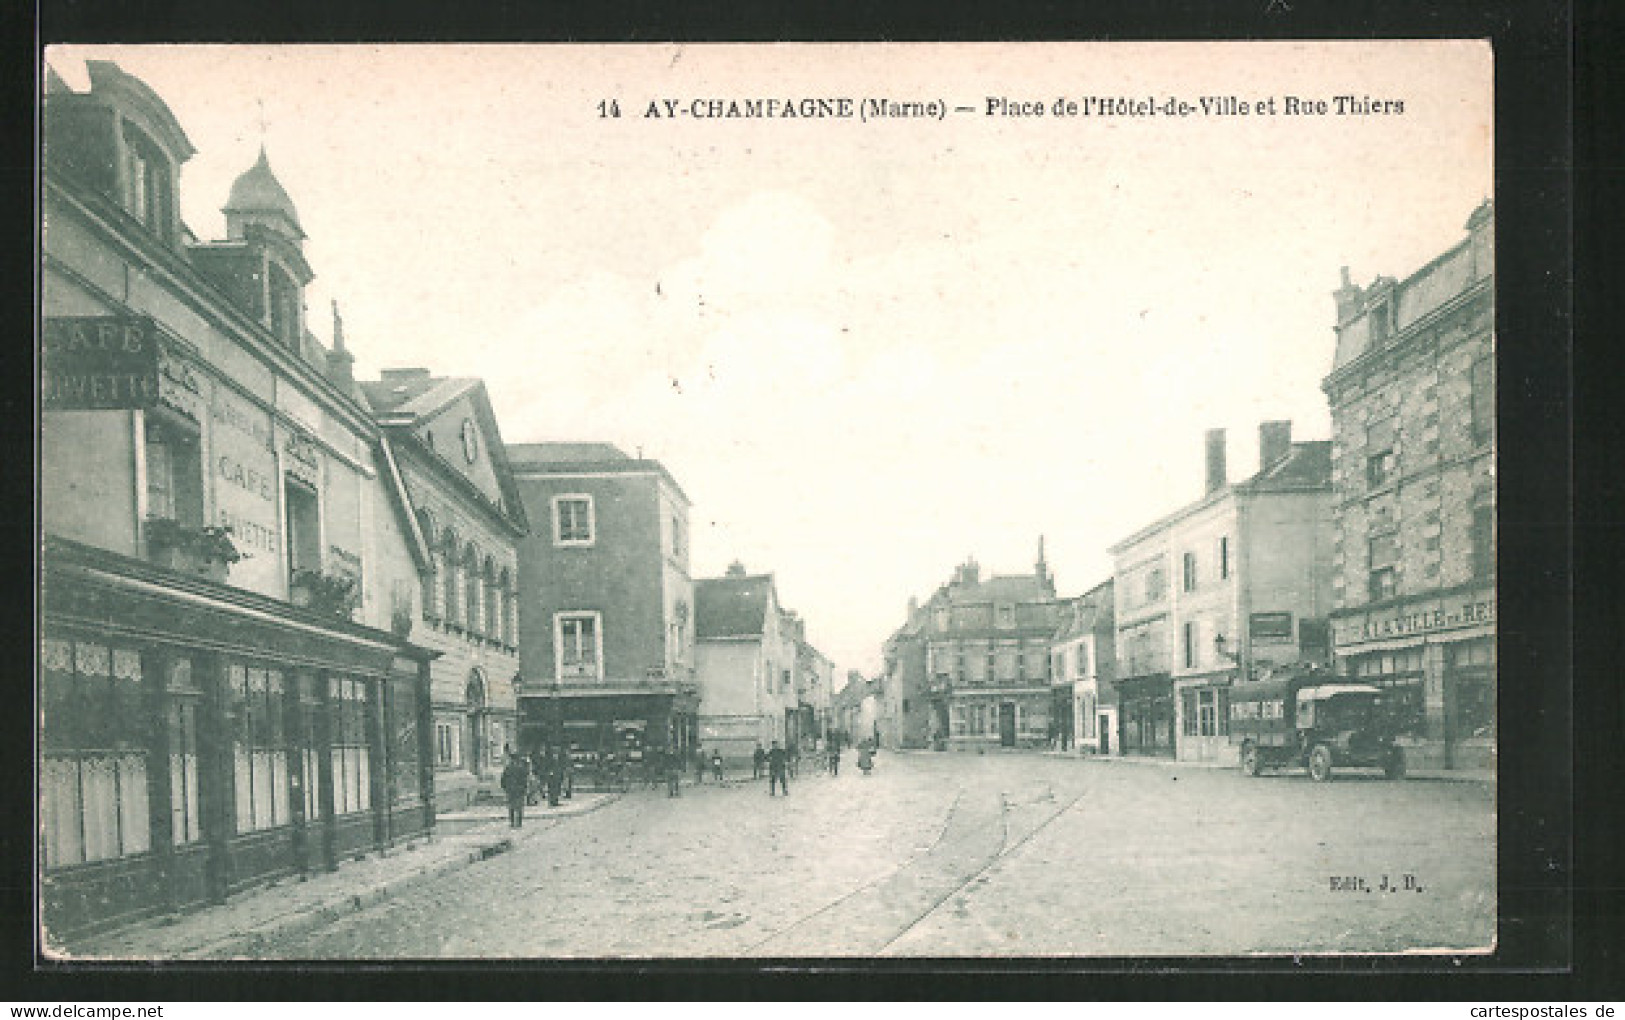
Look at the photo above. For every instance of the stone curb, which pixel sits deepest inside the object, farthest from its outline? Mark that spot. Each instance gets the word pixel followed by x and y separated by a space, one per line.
pixel 480 847
pixel 301 920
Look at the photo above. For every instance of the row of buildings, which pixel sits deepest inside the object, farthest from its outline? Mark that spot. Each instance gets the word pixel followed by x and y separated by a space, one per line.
pixel 286 614
pixel 1372 554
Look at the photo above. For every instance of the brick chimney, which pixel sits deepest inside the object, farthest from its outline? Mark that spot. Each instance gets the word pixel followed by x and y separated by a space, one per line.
pixel 1274 443
pixel 402 375
pixel 1348 298
pixel 1216 476
pixel 340 362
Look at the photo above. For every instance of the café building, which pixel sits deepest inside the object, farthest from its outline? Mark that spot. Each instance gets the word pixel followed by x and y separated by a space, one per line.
pixel 227 691
pixel 1412 394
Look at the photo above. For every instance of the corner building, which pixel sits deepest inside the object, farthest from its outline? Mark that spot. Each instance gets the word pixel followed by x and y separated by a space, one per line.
pixel 606 603
pixel 226 690
pixel 988 657
pixel 1412 392
pixel 1222 590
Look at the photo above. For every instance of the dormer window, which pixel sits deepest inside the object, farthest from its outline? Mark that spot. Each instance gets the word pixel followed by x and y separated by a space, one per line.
pixel 149 183
pixel 284 304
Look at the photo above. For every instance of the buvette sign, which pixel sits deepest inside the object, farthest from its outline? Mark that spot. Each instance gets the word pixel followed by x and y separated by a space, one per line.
pixel 98 363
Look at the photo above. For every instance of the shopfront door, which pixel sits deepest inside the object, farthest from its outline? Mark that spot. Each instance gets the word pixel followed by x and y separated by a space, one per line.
pixel 1007 724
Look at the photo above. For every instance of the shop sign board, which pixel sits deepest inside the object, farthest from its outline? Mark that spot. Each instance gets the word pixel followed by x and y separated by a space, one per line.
pixel 98 363
pixel 1423 616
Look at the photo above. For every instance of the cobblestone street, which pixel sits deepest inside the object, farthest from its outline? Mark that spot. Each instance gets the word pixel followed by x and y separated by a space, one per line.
pixel 946 855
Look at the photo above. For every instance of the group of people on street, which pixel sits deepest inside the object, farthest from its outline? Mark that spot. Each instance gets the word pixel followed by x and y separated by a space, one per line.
pixel 550 770
pixel 525 779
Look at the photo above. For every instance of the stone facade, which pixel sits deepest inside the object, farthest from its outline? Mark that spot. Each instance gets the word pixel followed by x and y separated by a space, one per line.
pixel 606 603
pixel 444 439
pixel 987 650
pixel 1412 400
pixel 1233 585
pixel 225 695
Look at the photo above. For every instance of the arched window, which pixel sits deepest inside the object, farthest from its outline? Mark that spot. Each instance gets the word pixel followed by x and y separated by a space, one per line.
pixel 431 583
pixel 451 579
pixel 493 602
pixel 471 590
pixel 505 583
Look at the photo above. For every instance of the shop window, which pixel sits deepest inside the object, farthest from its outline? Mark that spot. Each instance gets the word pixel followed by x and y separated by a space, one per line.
pixel 573 520
pixel 174 469
pixel 257 706
pixel 307 688
pixel 185 822
pixel 1205 709
pixel 1188 571
pixel 349 702
pixel 93 781
pixel 1483 541
pixel 304 526
pixel 150 184
pixel 448 742
pixel 1483 382
pixel 403 740
pixel 1399 674
pixel 578 640
pixel 1472 678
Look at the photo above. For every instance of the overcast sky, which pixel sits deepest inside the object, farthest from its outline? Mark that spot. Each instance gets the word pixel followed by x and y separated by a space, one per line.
pixel 865 350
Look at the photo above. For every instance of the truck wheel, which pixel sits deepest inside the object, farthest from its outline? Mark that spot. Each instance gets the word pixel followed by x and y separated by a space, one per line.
pixel 1394 766
pixel 1320 763
pixel 1250 763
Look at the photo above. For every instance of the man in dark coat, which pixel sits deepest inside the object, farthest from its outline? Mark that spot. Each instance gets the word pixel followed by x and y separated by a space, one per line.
pixel 777 770
pixel 758 758
pixel 555 776
pixel 515 779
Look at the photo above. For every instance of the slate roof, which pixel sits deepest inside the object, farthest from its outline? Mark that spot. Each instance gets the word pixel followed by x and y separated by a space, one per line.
pixel 578 458
pixel 1002 588
pixel 415 395
pixel 731 606
pixel 531 454
pixel 1306 464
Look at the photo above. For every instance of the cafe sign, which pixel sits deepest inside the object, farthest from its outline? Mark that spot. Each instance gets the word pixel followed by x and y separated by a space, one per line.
pixel 98 363
pixel 1416 619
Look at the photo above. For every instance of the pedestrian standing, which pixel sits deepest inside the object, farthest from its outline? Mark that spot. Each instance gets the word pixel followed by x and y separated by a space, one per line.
pixel 758 758
pixel 515 780
pixel 834 759
pixel 716 764
pixel 777 770
pixel 674 773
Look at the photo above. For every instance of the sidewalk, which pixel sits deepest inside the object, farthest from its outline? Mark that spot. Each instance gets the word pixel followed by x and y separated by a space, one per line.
pixel 1432 775
pixel 292 905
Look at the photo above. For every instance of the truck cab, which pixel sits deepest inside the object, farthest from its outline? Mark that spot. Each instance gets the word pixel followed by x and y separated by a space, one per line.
pixel 1314 721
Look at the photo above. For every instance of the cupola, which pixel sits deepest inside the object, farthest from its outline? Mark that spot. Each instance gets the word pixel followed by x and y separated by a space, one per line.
pixel 258 198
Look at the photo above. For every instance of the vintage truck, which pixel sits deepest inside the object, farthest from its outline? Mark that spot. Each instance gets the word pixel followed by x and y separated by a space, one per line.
pixel 1314 720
